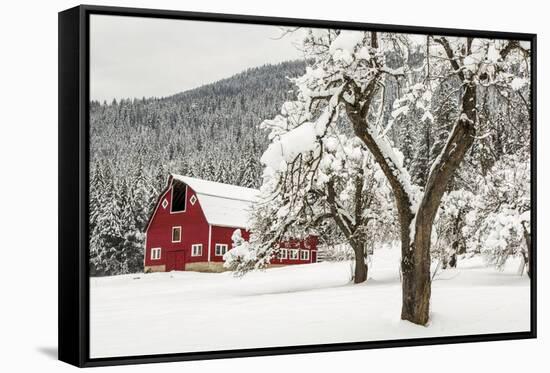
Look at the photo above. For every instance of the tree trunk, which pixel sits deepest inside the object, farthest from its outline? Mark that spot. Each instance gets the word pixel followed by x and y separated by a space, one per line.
pixel 361 267
pixel 416 278
pixel 455 244
pixel 453 260
pixel 415 266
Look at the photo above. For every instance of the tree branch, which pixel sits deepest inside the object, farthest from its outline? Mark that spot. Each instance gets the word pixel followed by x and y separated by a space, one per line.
pixel 450 54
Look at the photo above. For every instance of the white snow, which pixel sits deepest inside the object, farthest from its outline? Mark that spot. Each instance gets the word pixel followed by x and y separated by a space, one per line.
pixel 493 55
pixel 240 251
pixel 525 44
pixel 300 139
pixel 347 40
pixel 427 116
pixel 343 47
pixel 222 204
pixel 226 212
pixel 470 62
pixel 331 143
pixel 216 189
pixel 303 138
pixel 403 110
pixel 417 39
pixel 518 83
pixel 295 305
pixel 395 159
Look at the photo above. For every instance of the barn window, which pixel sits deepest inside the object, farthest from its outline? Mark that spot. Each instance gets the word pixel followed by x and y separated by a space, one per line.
pixel 220 249
pixel 193 199
pixel 284 254
pixel 196 249
pixel 304 254
pixel 164 203
pixel 293 254
pixel 179 192
pixel 176 234
pixel 155 253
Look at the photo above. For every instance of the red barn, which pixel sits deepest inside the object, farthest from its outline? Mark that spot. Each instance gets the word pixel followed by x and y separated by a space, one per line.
pixel 192 224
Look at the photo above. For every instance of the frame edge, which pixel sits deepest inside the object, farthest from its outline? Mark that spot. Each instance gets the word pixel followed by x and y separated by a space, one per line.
pixel 73 319
pixel 69 251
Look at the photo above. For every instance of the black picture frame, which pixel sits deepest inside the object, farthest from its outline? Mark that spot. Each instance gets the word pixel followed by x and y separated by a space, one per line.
pixel 73 318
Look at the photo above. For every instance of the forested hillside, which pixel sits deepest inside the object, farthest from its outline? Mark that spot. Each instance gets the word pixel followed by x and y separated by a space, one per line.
pixel 211 132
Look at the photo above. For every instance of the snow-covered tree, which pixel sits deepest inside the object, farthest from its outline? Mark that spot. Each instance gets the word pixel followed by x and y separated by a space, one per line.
pixel 240 251
pixel 130 254
pixel 500 225
pixel 336 184
pixel 346 74
pixel 447 237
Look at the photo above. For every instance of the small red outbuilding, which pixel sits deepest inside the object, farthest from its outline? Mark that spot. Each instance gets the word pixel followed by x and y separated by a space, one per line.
pixel 192 224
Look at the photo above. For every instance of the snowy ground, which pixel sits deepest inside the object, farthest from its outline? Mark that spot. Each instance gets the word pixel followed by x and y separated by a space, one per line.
pixel 305 304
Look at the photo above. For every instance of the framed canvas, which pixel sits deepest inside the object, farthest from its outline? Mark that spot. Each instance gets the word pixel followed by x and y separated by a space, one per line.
pixel 234 186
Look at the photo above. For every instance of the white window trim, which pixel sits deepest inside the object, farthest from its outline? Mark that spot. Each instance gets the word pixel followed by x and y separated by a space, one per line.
pixel 297 254
pixel 199 245
pixel 221 245
pixel 175 227
pixel 304 252
pixel 284 254
pixel 193 199
pixel 156 250
pixel 164 203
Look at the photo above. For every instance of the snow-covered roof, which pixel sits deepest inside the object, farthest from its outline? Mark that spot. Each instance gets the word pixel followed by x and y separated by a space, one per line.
pixel 222 204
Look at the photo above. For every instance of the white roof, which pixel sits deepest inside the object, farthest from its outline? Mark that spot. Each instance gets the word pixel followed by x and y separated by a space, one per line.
pixel 223 204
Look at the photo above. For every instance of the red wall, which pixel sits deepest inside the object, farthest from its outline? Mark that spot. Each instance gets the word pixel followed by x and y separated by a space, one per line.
pixel 194 231
pixel 223 235
pixel 310 243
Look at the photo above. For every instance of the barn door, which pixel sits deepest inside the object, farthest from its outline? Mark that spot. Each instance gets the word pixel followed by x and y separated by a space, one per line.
pixel 179 260
pixel 175 261
pixel 170 261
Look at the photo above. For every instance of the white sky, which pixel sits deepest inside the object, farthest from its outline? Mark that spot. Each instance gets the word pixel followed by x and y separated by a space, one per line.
pixel 137 57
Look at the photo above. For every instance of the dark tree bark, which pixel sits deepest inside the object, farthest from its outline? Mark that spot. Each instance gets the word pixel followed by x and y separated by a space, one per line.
pixel 351 230
pixel 361 268
pixel 455 246
pixel 453 259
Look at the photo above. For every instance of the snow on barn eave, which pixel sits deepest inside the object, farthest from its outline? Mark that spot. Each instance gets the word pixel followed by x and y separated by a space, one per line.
pixel 223 205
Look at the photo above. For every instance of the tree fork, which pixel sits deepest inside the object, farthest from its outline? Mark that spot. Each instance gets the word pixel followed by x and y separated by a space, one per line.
pixel 416 274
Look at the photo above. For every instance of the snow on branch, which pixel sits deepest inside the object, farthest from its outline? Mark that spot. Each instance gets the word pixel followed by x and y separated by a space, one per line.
pixel 487 61
pixel 394 159
pixel 301 139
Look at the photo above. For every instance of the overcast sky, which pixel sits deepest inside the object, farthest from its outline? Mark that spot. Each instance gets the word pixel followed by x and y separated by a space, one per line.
pixel 137 57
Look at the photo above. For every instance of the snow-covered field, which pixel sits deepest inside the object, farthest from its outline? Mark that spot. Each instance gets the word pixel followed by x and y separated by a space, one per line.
pixel 307 304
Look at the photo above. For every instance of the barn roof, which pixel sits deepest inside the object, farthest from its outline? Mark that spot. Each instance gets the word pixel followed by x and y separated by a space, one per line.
pixel 223 204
